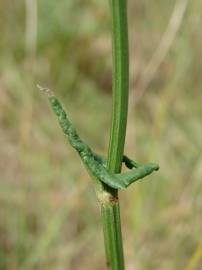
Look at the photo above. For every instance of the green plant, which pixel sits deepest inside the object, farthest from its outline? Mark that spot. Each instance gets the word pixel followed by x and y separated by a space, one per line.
pixel 106 172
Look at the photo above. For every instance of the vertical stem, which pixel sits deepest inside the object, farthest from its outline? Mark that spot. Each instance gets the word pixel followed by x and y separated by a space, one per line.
pixel 110 206
pixel 31 21
pixel 120 84
pixel 31 27
pixel 112 236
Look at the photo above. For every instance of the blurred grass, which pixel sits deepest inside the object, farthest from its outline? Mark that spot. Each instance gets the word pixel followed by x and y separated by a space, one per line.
pixel 48 215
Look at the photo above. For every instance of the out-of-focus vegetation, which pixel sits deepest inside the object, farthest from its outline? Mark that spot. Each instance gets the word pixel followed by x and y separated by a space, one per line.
pixel 48 216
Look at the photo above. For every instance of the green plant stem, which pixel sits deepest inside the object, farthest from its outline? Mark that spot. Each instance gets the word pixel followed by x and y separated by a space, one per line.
pixel 120 84
pixel 110 206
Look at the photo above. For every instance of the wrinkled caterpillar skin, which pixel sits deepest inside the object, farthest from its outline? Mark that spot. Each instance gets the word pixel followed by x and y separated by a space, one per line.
pixel 68 129
pixel 95 164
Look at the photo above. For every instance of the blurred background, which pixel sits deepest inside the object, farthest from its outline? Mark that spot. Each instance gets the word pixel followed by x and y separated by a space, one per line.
pixel 49 216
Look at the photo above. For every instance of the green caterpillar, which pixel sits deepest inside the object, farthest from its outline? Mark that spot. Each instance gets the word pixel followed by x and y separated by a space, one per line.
pixel 95 164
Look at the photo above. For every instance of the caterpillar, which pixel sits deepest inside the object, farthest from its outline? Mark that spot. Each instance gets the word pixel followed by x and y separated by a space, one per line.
pixel 96 164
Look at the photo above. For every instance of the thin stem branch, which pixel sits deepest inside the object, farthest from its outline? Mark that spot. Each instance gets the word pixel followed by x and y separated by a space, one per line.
pixel 162 50
pixel 110 207
pixel 31 27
